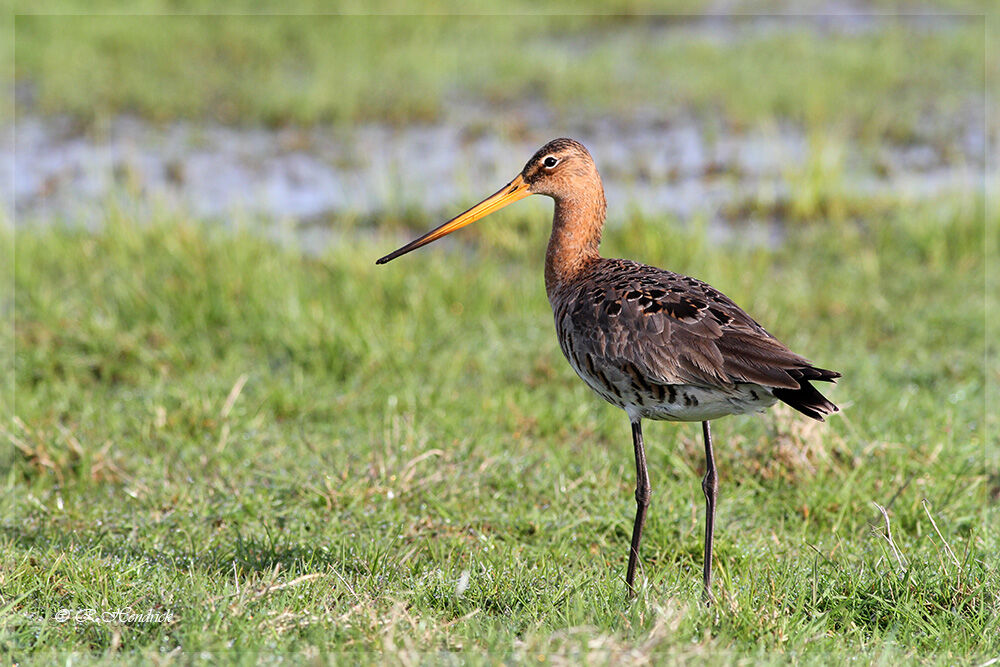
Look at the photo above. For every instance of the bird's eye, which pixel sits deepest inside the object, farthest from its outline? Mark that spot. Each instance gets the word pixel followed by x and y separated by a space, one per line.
pixel 550 162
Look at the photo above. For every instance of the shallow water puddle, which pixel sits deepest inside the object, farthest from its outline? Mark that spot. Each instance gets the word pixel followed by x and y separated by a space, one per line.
pixel 309 175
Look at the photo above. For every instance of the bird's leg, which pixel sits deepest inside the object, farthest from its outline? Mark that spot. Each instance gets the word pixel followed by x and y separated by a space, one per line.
pixel 642 493
pixel 709 484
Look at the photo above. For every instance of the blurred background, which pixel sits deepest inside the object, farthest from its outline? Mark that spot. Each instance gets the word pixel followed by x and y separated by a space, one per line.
pixel 312 119
pixel 220 407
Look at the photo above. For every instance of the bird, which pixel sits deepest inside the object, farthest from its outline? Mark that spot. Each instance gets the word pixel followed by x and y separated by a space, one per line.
pixel 657 344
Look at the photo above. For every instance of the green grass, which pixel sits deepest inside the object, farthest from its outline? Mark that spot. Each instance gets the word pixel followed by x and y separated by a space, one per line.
pixel 887 84
pixel 313 454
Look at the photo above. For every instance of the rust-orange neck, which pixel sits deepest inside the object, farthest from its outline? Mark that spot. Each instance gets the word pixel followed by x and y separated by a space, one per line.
pixel 576 235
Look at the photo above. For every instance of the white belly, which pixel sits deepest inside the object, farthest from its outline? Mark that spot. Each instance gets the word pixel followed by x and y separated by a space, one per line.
pixel 679 402
pixel 696 404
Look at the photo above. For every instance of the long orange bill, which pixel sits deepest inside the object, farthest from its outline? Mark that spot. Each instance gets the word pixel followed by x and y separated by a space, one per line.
pixel 508 194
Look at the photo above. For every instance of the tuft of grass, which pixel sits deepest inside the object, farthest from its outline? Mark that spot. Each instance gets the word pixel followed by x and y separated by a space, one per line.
pixel 288 453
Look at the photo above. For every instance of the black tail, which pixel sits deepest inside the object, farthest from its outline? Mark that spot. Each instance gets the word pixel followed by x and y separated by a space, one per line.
pixel 807 399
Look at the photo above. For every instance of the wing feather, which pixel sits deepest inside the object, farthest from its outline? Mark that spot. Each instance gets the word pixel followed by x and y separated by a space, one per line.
pixel 673 329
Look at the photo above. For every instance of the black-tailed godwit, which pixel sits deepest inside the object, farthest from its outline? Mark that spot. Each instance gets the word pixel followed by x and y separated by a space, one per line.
pixel 657 344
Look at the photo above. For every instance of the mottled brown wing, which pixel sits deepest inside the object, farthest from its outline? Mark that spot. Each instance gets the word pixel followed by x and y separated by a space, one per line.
pixel 672 329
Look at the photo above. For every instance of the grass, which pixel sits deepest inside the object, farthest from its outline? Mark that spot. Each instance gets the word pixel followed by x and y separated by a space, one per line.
pixel 891 84
pixel 311 454
pixel 304 454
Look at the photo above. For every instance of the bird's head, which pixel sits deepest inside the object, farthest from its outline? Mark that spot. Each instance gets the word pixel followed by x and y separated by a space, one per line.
pixel 561 169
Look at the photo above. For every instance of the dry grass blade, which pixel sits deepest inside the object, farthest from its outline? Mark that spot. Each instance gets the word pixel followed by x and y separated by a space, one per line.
pixel 888 537
pixel 947 547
